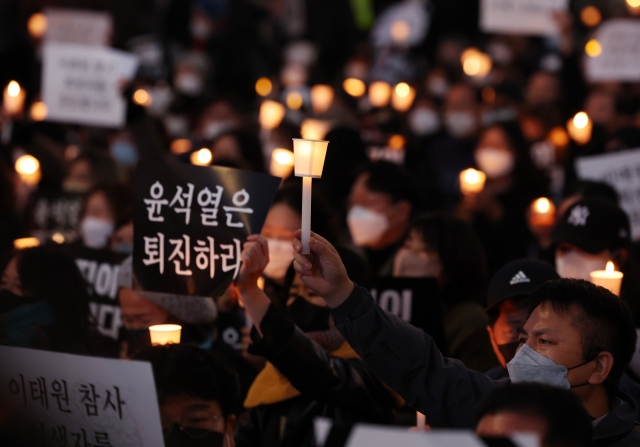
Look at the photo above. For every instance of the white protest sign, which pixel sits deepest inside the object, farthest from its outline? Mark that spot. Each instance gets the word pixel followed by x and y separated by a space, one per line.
pixel 523 17
pixel 78 26
pixel 364 435
pixel 81 400
pixel 620 56
pixel 81 84
pixel 622 171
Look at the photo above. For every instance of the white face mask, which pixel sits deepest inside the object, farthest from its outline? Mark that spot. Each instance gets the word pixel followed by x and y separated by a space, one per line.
pixel 460 124
pixel 575 265
pixel 96 232
pixel 280 258
pixel 424 121
pixel 495 162
pixel 366 226
pixel 188 83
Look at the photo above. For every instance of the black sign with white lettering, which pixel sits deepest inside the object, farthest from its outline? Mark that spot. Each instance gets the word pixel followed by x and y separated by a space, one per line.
pixel 416 301
pixel 100 270
pixel 190 223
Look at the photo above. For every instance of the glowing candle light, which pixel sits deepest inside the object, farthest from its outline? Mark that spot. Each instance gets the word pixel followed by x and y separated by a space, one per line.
pixel 202 157
pixel 142 98
pixel 472 181
pixel 180 146
pixel 162 334
pixel 475 63
pixel 294 100
pixel 282 161
pixel 39 111
pixel 593 48
pixel 379 94
pixel 37 25
pixel 354 87
pixel 400 31
pixel 321 98
pixel 271 114
pixel 402 97
pixel 263 86
pixel 309 158
pixel 25 242
pixel 312 129
pixel 609 278
pixel 590 16
pixel 542 212
pixel 28 167
pixel 13 99
pixel 579 128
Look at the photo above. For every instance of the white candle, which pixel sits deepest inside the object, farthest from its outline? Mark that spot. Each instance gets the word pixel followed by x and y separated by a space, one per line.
pixel 309 158
pixel 608 278
pixel 162 334
pixel 421 420
pixel 402 97
pixel 472 181
pixel 579 128
pixel 13 99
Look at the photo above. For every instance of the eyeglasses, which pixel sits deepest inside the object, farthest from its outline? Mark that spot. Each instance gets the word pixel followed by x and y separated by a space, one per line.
pixel 194 422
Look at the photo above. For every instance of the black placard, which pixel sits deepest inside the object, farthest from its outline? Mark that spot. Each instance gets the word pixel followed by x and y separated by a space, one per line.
pixel 190 224
pixel 416 301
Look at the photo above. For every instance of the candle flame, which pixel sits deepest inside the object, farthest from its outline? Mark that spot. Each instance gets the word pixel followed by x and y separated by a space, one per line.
pixel 202 157
pixel 283 157
pixel 609 268
pixel 542 205
pixel 354 87
pixel 263 86
pixel 27 164
pixel 593 48
pixel 471 176
pixel 13 89
pixel 581 120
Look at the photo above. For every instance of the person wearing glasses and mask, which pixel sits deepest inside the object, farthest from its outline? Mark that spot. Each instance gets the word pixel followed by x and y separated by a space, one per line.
pixel 197 394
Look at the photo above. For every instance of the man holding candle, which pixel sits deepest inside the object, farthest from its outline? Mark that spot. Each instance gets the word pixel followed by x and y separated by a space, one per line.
pixel 578 337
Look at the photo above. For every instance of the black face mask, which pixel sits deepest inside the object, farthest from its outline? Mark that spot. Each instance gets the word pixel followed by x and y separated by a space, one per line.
pixel 9 300
pixel 307 316
pixel 192 437
pixel 508 350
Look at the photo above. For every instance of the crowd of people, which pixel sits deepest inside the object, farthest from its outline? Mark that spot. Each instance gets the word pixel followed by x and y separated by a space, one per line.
pixel 517 339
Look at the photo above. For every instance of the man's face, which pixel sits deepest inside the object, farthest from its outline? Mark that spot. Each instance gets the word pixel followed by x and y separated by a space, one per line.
pixel 139 313
pixel 507 424
pixel 553 335
pixel 508 327
pixel 196 412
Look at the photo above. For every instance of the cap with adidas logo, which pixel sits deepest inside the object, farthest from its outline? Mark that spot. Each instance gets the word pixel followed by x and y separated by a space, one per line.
pixel 593 225
pixel 518 278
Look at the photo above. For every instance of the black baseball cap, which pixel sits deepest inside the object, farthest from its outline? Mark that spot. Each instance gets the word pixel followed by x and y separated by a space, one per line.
pixel 519 278
pixel 593 225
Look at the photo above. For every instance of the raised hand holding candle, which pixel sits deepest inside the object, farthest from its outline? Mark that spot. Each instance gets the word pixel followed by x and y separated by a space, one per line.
pixel 608 278
pixel 472 181
pixel 309 160
pixel 162 334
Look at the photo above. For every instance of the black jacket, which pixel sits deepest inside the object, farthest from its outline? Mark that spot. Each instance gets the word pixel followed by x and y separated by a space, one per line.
pixel 342 389
pixel 407 360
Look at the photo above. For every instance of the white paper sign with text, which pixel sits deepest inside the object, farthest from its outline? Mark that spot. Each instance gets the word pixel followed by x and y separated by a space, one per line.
pixel 83 400
pixel 81 84
pixel 620 56
pixel 523 17
pixel 78 26
pixel 622 171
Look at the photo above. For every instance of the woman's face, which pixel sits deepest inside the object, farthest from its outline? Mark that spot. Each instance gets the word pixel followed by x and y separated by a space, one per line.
pixel 98 207
pixel 416 259
pixel 494 155
pixel 298 288
pixel 281 223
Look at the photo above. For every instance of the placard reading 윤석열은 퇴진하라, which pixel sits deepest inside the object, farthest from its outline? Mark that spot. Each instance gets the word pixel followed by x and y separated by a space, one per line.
pixel 190 223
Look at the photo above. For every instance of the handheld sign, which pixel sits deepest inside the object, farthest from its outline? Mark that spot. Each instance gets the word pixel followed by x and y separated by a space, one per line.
pixel 522 17
pixel 81 84
pixel 63 399
pixel 622 171
pixel 78 26
pixel 190 223
pixel 416 301
pixel 619 56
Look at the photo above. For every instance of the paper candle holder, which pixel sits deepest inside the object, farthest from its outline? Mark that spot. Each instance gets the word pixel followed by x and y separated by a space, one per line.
pixel 608 278
pixel 162 334
pixel 309 157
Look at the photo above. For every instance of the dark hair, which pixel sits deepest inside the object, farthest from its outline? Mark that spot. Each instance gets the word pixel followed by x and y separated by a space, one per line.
pixel 323 219
pixel 461 255
pixel 567 422
pixel 119 198
pixel 188 369
pixel 103 167
pixel 521 301
pixel 250 148
pixel 605 324
pixel 391 179
pixel 594 190
pixel 47 274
